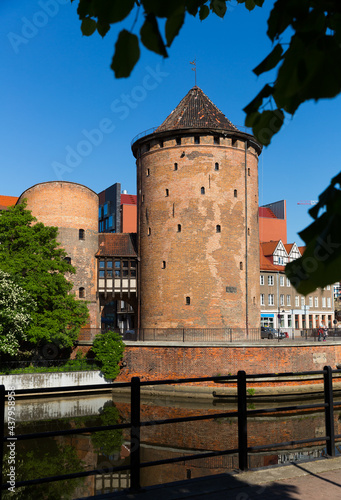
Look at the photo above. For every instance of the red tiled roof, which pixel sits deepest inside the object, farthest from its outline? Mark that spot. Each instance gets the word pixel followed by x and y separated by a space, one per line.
pixel 117 245
pixel 128 199
pixel 196 110
pixel 269 247
pixel 302 250
pixel 7 201
pixel 266 265
pixel 266 212
pixel 288 247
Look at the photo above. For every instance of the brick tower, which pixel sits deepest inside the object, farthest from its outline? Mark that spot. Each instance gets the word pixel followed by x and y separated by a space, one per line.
pixel 197 187
pixel 73 208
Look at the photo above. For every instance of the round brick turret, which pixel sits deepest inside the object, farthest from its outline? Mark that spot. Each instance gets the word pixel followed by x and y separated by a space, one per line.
pixel 72 208
pixel 197 182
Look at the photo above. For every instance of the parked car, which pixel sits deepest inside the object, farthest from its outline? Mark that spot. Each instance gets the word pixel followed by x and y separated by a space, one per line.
pixel 266 332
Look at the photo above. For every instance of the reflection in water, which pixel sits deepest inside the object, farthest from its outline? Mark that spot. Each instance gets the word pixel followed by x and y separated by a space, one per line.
pixel 102 450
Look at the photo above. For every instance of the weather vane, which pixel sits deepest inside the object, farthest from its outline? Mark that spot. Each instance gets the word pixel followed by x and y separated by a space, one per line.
pixel 194 69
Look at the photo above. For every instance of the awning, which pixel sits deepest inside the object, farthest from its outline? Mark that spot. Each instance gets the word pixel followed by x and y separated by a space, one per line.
pixel 267 315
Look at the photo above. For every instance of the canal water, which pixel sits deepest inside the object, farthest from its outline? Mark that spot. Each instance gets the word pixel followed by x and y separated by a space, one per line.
pixel 37 458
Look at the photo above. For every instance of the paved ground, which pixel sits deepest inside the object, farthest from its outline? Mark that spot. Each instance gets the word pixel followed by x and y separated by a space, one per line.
pixel 318 480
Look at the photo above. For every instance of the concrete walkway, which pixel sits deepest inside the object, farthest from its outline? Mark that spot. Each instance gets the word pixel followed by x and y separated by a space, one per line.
pixel 317 480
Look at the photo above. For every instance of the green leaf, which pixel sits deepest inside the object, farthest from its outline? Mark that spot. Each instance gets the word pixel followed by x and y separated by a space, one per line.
pixel 127 53
pixel 320 264
pixel 219 7
pixel 112 11
pixel 250 4
pixel 103 28
pixel 267 125
pixel 150 36
pixel 88 26
pixel 270 61
pixel 174 24
pixel 203 12
pixel 254 105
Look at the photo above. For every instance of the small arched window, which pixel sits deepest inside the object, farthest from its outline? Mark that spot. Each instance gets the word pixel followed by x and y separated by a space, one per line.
pixel 81 234
pixel 81 292
pixel 218 229
pixel 188 301
pixel 202 190
pixel 216 166
pixel 235 193
pixel 241 266
pixel 67 260
pixel 179 228
pixel 175 166
pixel 196 139
pixel 167 192
pixel 163 264
pixel 149 231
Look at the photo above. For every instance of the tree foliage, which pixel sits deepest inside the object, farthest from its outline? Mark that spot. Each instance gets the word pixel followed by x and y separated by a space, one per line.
pixel 29 252
pixel 16 307
pixel 306 55
pixel 109 348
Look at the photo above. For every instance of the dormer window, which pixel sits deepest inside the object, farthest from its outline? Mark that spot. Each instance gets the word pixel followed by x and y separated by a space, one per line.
pixel 81 234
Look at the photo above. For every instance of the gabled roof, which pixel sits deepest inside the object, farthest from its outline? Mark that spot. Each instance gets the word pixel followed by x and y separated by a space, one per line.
pixel 266 212
pixel 265 264
pixel 128 199
pixel 117 245
pixel 269 247
pixel 196 110
pixel 302 250
pixel 288 247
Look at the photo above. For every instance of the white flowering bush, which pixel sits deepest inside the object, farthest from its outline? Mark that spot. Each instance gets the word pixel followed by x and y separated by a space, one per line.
pixel 16 307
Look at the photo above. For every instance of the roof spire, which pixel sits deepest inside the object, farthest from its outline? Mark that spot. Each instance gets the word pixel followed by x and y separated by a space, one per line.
pixel 194 63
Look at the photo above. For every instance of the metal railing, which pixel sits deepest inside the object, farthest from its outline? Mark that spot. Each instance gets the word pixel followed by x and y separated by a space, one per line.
pixel 252 335
pixel 136 424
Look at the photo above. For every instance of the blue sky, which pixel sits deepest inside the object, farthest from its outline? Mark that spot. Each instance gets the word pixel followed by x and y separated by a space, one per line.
pixel 57 90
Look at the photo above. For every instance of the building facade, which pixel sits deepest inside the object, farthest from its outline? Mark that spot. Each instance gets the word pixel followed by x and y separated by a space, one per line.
pixel 198 241
pixel 280 304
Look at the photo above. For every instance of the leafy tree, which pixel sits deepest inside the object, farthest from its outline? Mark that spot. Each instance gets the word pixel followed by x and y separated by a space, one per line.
pixel 16 307
pixel 306 37
pixel 108 348
pixel 108 442
pixel 29 252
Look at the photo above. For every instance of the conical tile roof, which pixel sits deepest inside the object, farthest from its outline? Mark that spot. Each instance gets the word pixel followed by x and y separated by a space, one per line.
pixel 196 110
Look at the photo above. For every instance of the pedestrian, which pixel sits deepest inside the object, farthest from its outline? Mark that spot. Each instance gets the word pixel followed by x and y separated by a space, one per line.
pixel 320 332
pixel 325 334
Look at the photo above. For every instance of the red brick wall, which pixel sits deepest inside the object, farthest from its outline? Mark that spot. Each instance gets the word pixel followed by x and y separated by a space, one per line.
pixel 197 262
pixel 162 362
pixel 71 207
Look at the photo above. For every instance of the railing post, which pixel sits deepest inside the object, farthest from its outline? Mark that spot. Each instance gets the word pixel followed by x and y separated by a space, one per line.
pixel 329 410
pixel 242 420
pixel 135 397
pixel 2 432
pixel 183 335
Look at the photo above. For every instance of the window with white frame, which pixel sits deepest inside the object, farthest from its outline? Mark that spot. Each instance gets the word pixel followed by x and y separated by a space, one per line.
pixel 328 301
pixel 302 301
pixel 281 280
pixel 288 300
pixel 271 299
pixel 328 287
pixel 288 282
pixel 281 299
pixel 262 279
pixel 262 301
pixel 316 300
pixel 297 300
pixel 270 280
pixel 323 301
pixel 310 301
